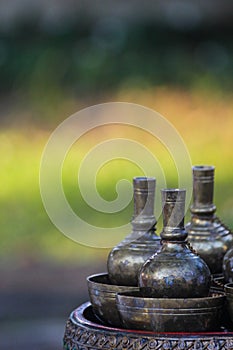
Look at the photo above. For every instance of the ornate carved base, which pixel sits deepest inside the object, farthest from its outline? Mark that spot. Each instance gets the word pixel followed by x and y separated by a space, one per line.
pixel 85 332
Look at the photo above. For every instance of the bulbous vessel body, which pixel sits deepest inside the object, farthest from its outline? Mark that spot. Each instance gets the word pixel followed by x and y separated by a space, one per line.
pixel 228 266
pixel 126 259
pixel 174 271
pixel 206 233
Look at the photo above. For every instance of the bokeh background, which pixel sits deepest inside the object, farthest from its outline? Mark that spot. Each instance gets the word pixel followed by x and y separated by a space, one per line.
pixel 58 57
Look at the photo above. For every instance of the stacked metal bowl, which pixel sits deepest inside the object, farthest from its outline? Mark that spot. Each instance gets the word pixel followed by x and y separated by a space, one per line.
pixel 102 295
pixel 229 300
pixel 126 307
pixel 170 315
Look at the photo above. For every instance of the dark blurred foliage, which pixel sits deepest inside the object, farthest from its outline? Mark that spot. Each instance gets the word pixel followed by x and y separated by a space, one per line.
pixel 103 55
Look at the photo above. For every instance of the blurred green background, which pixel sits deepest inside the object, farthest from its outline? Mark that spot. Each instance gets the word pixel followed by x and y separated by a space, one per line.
pixel 58 58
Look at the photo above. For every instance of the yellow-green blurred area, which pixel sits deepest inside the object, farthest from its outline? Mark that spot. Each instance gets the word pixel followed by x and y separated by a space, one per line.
pixel 184 73
pixel 204 121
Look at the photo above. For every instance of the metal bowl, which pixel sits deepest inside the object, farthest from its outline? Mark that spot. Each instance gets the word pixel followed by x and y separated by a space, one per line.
pixel 229 297
pixel 170 315
pixel 228 287
pixel 217 284
pixel 103 298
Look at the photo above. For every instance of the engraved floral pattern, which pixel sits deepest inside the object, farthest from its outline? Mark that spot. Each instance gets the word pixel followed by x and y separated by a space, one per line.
pixel 81 337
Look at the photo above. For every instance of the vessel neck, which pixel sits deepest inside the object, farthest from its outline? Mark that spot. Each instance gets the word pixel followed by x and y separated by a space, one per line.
pixel 203 190
pixel 174 246
pixel 203 216
pixel 144 197
pixel 173 201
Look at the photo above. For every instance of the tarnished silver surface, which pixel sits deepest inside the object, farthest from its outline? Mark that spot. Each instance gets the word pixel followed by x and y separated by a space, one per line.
pixel 206 233
pixel 126 259
pixel 171 315
pixel 102 296
pixel 217 284
pixel 84 331
pixel 228 288
pixel 174 271
pixel 227 266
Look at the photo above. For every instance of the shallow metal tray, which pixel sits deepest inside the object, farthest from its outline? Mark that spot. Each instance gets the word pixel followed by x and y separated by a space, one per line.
pixel 85 332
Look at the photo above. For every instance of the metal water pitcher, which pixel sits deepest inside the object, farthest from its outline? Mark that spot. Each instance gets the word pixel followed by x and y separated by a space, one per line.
pixel 174 271
pixel 126 259
pixel 206 233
